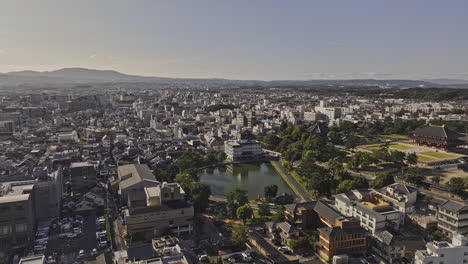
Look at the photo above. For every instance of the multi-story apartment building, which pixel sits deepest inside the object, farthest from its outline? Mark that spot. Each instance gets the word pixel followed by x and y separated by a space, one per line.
pixel 401 196
pixel 452 217
pixel 437 252
pixel 374 213
pixel 154 210
pixel 237 150
pixel 345 237
pixel 16 215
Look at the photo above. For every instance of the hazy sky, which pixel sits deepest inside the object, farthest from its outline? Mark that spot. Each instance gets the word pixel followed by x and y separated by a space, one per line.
pixel 239 39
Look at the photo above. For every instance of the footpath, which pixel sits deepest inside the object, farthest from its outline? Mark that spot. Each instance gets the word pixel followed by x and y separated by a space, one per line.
pixel 293 184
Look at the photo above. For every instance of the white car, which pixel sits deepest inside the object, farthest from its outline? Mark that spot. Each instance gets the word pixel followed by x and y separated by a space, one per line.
pixel 71 235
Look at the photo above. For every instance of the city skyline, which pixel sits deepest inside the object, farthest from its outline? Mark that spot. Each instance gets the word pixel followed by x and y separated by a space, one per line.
pixel 258 40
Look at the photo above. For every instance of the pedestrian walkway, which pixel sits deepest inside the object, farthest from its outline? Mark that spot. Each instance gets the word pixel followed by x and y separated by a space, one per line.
pixel 293 184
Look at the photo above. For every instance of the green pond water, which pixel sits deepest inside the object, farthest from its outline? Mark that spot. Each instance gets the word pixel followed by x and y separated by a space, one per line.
pixel 251 177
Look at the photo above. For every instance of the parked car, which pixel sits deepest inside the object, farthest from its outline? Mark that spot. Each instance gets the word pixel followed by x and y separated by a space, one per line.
pixel 203 258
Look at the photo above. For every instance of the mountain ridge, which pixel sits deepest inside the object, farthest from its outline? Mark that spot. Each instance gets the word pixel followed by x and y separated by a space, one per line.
pixel 85 75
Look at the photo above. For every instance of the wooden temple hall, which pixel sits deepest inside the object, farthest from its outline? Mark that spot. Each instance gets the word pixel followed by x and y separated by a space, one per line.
pixel 439 137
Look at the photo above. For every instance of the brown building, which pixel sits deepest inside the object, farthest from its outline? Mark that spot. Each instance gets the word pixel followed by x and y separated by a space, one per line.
pixel 438 137
pixel 346 237
pixel 310 215
pixel 155 210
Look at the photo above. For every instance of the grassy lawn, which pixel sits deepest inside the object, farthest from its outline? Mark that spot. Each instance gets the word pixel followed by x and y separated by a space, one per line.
pixel 424 158
pixel 401 147
pixel 393 146
pixel 395 136
pixel 438 155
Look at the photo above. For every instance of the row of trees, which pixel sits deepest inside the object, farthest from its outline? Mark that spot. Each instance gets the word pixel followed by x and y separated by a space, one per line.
pixel 189 162
pixel 383 155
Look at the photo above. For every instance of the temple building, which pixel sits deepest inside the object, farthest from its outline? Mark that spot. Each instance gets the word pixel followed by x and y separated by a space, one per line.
pixel 438 137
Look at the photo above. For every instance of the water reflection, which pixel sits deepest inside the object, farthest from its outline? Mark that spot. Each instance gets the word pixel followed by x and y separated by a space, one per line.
pixel 250 177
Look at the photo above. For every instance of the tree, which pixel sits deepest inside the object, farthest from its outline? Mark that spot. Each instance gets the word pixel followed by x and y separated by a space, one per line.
pixel 279 215
pixel 271 141
pixel 412 158
pixel 348 185
pixel 345 186
pixel 264 209
pixel 185 180
pixel 397 157
pixel 456 185
pixel 221 157
pixel 200 196
pixel 335 165
pixel 435 179
pixel 295 244
pixel 383 179
pixel 352 142
pixel 315 177
pixel 244 212
pixel 239 236
pixel 414 176
pixel 438 235
pixel 219 219
pixel 270 191
pixel 235 199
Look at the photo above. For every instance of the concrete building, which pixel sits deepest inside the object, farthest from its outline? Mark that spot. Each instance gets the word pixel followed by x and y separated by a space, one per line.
pixel 237 150
pixel 437 252
pixel 374 213
pixel 82 176
pixel 16 215
pixel 154 210
pixel 346 237
pixel 48 194
pixel 452 217
pixel 133 177
pixel 33 260
pixel 396 248
pixel 7 127
pixel 330 113
pixel 401 196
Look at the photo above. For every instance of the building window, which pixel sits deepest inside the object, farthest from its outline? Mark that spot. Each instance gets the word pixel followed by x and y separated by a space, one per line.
pixel 21 227
pixel 182 212
pixel 5 230
pixel 171 222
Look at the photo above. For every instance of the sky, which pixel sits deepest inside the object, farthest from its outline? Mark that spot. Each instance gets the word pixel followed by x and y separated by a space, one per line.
pixel 239 39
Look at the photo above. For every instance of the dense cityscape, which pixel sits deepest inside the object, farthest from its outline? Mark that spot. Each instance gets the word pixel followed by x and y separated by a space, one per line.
pixel 233 132
pixel 115 173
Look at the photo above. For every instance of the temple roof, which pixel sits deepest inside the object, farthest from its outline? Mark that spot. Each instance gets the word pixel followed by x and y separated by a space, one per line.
pixel 438 132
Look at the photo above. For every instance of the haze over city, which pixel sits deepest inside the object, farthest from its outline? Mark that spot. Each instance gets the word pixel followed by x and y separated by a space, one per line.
pixel 233 132
pixel 258 40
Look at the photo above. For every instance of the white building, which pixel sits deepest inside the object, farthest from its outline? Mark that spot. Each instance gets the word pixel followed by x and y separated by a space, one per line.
pixel 437 252
pixel 242 149
pixel 373 213
pixel 331 113
pixel 401 196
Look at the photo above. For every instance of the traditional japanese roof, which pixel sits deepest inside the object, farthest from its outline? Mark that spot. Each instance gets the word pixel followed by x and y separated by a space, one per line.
pixel 318 129
pixel 454 206
pixel 326 212
pixel 337 231
pixel 437 132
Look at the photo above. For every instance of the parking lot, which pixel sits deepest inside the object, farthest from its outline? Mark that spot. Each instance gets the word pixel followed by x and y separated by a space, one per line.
pixel 69 237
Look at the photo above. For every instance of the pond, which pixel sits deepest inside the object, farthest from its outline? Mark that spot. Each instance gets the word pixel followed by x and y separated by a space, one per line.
pixel 251 177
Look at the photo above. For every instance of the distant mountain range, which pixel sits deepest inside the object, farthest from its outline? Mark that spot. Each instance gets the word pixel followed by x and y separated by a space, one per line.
pixel 82 75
